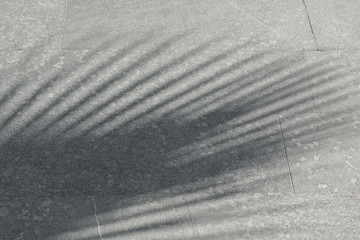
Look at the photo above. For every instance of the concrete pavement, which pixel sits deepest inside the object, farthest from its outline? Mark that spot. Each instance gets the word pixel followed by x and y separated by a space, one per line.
pixel 179 119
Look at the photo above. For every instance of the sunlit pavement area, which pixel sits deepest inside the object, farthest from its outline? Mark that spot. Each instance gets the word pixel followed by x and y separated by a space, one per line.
pixel 179 119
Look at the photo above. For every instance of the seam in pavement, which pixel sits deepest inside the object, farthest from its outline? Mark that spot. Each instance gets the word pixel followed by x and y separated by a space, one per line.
pixel 194 232
pixel 312 85
pixel 63 24
pixel 6 143
pixel 191 220
pixel 315 99
pixel 286 155
pixel 97 220
pixel 311 27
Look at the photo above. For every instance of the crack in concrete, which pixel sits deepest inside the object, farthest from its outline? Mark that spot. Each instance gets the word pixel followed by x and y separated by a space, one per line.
pixel 97 221
pixel 315 99
pixel 286 155
pixel 191 219
pixel 64 24
pixel 311 27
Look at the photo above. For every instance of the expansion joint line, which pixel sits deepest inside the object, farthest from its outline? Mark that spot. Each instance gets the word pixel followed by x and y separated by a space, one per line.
pixel 311 27
pixel 97 221
pixel 286 155
pixel 191 218
pixel 315 99
pixel 64 24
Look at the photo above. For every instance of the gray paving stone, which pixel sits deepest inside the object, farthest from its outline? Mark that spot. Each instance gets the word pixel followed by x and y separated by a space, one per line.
pixel 168 120
pixel 286 19
pixel 245 144
pixel 89 164
pixel 203 19
pixel 149 217
pixel 280 85
pixel 158 157
pixel 44 82
pixel 244 82
pixel 323 151
pixel 143 217
pixel 338 88
pixel 335 23
pixel 276 216
pixel 196 215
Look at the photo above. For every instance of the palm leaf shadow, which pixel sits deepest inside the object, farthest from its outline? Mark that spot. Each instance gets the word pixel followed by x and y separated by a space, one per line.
pixel 192 141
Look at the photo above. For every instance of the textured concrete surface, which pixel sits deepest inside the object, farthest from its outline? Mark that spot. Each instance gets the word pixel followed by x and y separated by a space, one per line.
pixel 23 24
pixel 335 23
pixel 229 19
pixel 179 119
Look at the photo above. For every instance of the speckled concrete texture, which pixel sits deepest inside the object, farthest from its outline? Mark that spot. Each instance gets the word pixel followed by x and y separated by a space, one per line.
pixel 23 23
pixel 323 152
pixel 231 19
pixel 179 119
pixel 335 23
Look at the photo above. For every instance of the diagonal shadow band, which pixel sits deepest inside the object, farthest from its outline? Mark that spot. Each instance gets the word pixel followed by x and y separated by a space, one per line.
pixel 183 149
pixel 122 53
pixel 131 88
pixel 107 84
pixel 133 157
